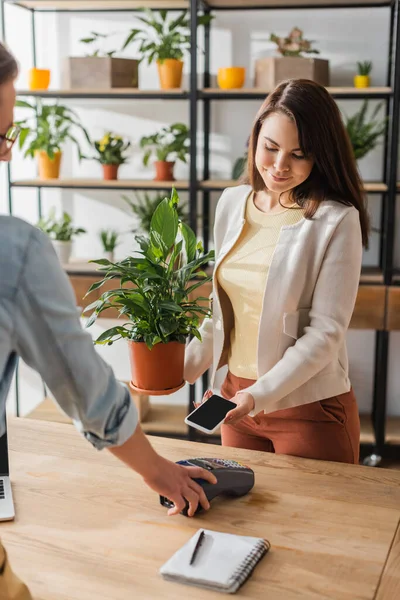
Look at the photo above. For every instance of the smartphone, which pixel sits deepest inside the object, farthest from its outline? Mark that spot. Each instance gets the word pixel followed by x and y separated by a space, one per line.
pixel 209 415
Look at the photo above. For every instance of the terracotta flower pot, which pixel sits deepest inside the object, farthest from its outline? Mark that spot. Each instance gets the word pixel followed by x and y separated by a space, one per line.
pixel 110 172
pixel 170 73
pixel 164 170
pixel 49 168
pixel 158 371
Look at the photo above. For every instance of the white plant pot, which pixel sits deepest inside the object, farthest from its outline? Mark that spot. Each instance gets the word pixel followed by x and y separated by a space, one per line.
pixel 63 251
pixel 109 256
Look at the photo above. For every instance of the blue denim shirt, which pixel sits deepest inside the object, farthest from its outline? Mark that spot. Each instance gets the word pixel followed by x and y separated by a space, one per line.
pixel 39 322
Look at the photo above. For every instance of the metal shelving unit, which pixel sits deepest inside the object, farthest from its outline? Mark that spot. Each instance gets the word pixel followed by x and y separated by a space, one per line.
pixel 203 99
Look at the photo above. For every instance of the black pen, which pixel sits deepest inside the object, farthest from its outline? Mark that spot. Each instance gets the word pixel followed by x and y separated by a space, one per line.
pixel 197 546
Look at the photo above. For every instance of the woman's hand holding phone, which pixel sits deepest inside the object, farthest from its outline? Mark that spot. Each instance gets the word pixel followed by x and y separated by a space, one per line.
pixel 243 400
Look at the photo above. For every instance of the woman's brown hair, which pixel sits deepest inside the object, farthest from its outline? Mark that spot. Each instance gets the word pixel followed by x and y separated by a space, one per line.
pixel 322 136
pixel 8 65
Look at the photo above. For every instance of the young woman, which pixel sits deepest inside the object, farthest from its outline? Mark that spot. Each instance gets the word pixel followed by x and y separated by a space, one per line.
pixel 288 259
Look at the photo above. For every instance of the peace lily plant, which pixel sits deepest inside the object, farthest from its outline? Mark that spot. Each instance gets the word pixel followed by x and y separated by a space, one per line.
pixel 155 296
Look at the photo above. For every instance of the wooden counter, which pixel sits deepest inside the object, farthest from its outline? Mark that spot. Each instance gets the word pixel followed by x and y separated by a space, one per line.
pixel 88 527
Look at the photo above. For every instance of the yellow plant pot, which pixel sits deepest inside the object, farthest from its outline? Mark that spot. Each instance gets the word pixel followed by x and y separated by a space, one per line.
pixel 362 81
pixel 49 168
pixel 39 79
pixel 170 73
pixel 230 78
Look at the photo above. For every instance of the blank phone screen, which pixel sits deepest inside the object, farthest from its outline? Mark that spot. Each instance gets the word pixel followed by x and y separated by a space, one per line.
pixel 212 412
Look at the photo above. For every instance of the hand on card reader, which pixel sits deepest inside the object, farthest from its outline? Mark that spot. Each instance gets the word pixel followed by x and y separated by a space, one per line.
pixel 233 479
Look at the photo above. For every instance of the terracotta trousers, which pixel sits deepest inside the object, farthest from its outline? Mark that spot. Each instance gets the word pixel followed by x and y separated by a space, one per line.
pixel 11 588
pixel 325 430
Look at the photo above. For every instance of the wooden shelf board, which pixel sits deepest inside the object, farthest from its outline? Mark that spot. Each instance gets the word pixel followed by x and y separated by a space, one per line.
pixel 101 184
pixel 371 91
pixel 106 93
pixel 392 430
pixel 88 5
pixel 291 3
pixel 220 184
pixel 370 275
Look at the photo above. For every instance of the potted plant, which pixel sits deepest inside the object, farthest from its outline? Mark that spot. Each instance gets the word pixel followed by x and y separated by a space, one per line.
pixel 362 80
pixel 109 239
pixel 144 207
pixel 291 63
pixel 159 314
pixel 240 164
pixel 364 133
pixel 165 41
pixel 46 132
pixel 100 69
pixel 111 149
pixel 169 144
pixel 61 232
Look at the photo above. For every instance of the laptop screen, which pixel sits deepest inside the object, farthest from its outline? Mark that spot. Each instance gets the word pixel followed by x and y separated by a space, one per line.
pixel 4 455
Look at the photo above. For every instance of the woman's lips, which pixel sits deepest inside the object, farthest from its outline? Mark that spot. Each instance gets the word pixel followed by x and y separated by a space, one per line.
pixel 278 179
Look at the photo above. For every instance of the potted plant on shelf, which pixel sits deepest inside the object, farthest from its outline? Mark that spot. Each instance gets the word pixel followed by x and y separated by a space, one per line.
pixel 100 69
pixel 110 239
pixel 164 41
pixel 160 314
pixel 291 63
pixel 111 149
pixel 363 80
pixel 61 232
pixel 364 133
pixel 169 144
pixel 45 134
pixel 144 207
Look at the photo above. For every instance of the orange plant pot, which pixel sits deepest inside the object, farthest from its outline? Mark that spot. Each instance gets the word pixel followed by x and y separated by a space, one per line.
pixel 164 170
pixel 230 78
pixel 170 73
pixel 110 172
pixel 39 79
pixel 158 371
pixel 49 168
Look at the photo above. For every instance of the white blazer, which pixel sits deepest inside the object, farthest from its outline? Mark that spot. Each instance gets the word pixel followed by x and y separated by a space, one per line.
pixel 308 302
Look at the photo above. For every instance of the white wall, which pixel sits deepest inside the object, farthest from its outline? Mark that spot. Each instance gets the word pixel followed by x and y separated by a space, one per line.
pixel 238 38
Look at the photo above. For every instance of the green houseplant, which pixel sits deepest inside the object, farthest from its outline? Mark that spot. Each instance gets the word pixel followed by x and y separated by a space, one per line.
pixel 109 239
pixel 294 44
pixel 165 41
pixel 144 206
pixel 364 132
pixel 111 154
pixel 156 298
pixel 362 79
pixel 169 144
pixel 45 133
pixel 61 232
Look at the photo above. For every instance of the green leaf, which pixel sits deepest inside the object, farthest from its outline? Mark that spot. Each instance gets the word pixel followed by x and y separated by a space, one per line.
pixel 165 223
pixel 170 306
pixel 190 241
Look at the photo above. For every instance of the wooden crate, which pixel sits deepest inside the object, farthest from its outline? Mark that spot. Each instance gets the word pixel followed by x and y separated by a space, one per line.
pixel 271 70
pixel 100 73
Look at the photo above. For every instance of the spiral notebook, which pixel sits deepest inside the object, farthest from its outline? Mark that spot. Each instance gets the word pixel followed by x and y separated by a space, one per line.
pixel 223 563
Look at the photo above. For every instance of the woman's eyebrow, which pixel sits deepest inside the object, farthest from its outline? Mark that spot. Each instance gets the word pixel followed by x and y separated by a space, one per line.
pixel 272 142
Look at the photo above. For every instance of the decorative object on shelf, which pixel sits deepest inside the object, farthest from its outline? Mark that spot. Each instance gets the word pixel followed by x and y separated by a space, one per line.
pixel 363 80
pixel 100 70
pixel 270 70
pixel 240 163
pixel 364 133
pixel 230 78
pixel 38 79
pixel 160 310
pixel 171 142
pixel 145 205
pixel 51 126
pixel 164 41
pixel 111 149
pixel 109 239
pixel 61 232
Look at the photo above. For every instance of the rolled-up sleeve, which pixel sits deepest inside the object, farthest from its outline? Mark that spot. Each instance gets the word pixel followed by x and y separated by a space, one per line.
pixel 50 339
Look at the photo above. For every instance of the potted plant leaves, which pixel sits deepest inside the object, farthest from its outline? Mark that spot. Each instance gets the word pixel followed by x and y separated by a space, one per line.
pixel 99 69
pixel 156 284
pixel 169 145
pixel 110 154
pixel 109 239
pixel 362 79
pixel 144 206
pixel 364 132
pixel 165 41
pixel 291 63
pixel 61 232
pixel 46 132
